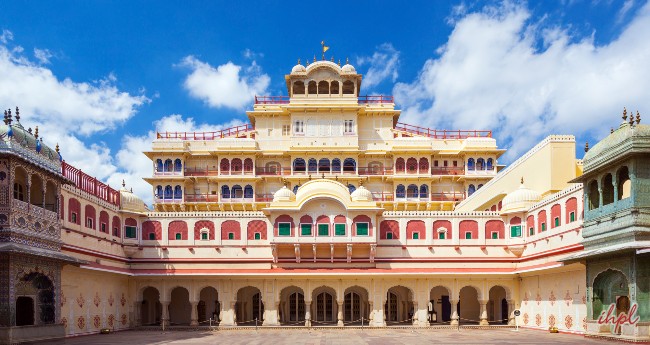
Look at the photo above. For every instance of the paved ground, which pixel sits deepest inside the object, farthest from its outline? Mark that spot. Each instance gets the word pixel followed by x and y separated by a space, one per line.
pixel 333 336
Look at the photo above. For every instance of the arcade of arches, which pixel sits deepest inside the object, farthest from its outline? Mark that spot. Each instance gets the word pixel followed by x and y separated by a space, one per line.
pixel 295 304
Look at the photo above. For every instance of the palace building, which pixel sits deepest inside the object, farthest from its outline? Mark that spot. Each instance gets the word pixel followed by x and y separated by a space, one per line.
pixel 326 210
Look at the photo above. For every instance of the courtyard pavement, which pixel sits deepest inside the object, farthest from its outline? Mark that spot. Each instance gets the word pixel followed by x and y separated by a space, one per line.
pixel 332 336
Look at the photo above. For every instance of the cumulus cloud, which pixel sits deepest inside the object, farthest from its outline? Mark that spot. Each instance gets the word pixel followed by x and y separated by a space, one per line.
pixel 382 65
pixel 132 165
pixel 227 85
pixel 492 74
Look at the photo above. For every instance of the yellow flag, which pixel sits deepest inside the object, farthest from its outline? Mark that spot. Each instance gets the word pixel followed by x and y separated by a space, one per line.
pixel 325 48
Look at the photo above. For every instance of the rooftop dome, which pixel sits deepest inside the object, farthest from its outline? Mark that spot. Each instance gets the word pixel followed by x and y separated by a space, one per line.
pixel 284 194
pixel 361 194
pixel 624 134
pixel 519 200
pixel 16 133
pixel 298 69
pixel 348 69
pixel 131 202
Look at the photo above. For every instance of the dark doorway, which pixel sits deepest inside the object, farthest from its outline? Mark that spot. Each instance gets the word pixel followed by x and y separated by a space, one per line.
pixel 446 309
pixel 504 311
pixel 24 311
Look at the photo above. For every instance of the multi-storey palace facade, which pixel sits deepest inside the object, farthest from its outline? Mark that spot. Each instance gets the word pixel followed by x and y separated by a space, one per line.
pixel 324 210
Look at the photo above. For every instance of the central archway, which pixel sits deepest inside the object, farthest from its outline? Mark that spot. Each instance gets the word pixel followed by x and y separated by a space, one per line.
pixel 355 305
pixel 399 308
pixel 249 307
pixel 324 306
pixel 292 306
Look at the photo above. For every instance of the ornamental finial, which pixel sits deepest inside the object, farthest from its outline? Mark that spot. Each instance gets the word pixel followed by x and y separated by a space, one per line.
pixel 285 182
pixel 347 61
pixel 29 130
pixel 123 183
pixel 36 132
pixel 57 148
pixel 586 146
pixel 638 117
pixel 314 58
pixel 6 119
pixel 339 62
pixel 299 61
pixel 332 59
pixel 360 182
pixel 17 114
pixel 631 119
pixel 624 113
pixel 611 130
pixel 522 180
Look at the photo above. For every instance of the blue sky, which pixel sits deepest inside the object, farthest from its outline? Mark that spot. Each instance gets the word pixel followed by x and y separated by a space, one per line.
pixel 100 77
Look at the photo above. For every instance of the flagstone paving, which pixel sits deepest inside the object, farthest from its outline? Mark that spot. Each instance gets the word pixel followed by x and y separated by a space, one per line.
pixel 333 336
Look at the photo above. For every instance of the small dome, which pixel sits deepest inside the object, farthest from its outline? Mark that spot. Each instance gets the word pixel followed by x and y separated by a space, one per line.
pixel 284 194
pixel 519 200
pixel 131 202
pixel 298 69
pixel 348 69
pixel 361 194
pixel 623 137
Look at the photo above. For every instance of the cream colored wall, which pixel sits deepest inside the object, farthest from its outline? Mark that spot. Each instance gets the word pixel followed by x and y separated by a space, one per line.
pixel 554 297
pixel 92 300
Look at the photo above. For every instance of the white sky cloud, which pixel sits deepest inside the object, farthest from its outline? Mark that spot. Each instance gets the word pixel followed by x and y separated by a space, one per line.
pixel 6 36
pixel 42 55
pixel 491 74
pixel 227 85
pixel 383 64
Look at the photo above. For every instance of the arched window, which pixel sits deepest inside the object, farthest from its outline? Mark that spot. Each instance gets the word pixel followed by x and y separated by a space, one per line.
pixel 400 166
pixel 168 165
pixel 225 192
pixel 159 192
pixel 348 87
pixel 311 88
pixel 349 164
pixel 412 191
pixel 400 191
pixel 169 192
pixel 178 192
pixel 159 165
pixel 248 165
pixel 299 164
pixel 334 88
pixel 479 187
pixel 324 165
pixel 178 165
pixel 248 192
pixel 471 190
pixel 608 189
pixel 489 164
pixel 236 165
pixel 237 192
pixel 224 166
pixel 424 191
pixel 298 88
pixel 323 87
pixel 351 188
pixel 424 166
pixel 470 164
pixel 480 164
pixel 295 188
pixel 273 168
pixel 336 165
pixel 624 183
pixel 312 165
pixel 594 195
pixel 411 165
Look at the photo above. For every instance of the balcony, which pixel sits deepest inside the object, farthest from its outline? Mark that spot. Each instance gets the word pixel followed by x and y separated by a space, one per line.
pixel 272 171
pixel 447 171
pixel 376 99
pixel 483 171
pixel 236 132
pixel 374 171
pixel 442 133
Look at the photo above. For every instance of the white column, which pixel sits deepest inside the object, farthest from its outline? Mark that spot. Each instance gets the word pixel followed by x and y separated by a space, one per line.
pixel 164 318
pixel 307 313
pixel 511 313
pixel 339 314
pixel 194 317
pixel 454 312
pixel 483 316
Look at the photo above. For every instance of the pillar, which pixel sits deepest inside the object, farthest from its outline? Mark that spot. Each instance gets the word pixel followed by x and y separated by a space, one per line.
pixel 277 312
pixel 307 313
pixel 194 315
pixel 164 318
pixel 454 312
pixel 137 313
pixel 339 314
pixel 228 317
pixel 483 315
pixel 511 312
pixel 371 312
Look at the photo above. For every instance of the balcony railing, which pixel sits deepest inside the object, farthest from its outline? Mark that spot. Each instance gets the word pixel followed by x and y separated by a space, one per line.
pixel 263 171
pixel 90 184
pixel 201 197
pixel 449 196
pixel 375 171
pixel 201 172
pixel 442 133
pixel 236 131
pixel 272 99
pixel 371 99
pixel 447 171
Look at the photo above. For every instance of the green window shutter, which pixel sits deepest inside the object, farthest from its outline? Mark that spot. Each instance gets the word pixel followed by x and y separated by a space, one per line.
pixel 572 216
pixel 543 226
pixel 178 235
pixel 284 229
pixel 416 235
pixel 204 236
pixel 323 230
pixel 257 236
pixel 557 221
pixel 152 236
pixel 531 231
pixel 495 236
pixel 468 235
pixel 339 229
pixel 362 229
pixel 441 235
pixel 305 229
pixel 389 235
pixel 515 231
pixel 129 232
pixel 231 235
